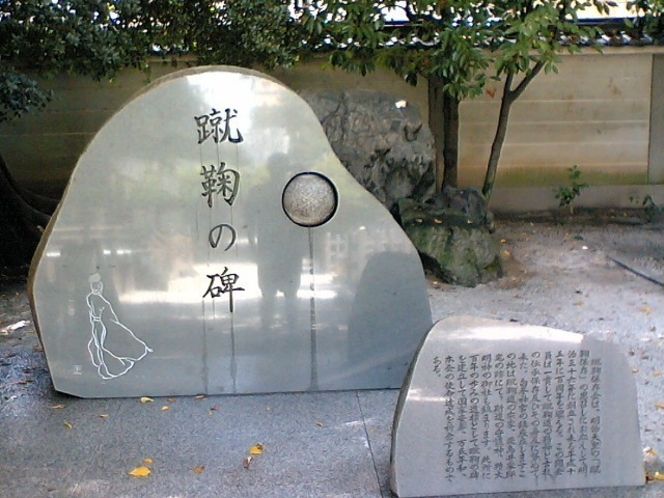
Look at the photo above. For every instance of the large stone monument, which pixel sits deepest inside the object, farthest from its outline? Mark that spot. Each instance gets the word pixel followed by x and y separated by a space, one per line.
pixel 492 407
pixel 209 241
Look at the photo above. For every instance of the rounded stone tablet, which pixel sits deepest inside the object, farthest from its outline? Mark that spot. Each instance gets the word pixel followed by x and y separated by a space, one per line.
pixel 309 199
pixel 189 236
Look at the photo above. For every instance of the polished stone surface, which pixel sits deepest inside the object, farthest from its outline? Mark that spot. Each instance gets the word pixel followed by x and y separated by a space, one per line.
pixel 177 263
pixel 491 406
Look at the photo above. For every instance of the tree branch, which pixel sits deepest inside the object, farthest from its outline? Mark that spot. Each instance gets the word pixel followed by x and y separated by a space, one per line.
pixel 516 93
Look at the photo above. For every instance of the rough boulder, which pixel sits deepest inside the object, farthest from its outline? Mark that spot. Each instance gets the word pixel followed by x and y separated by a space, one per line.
pixel 381 140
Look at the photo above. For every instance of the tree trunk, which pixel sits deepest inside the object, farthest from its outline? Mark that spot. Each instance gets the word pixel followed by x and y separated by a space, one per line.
pixel 444 124
pixel 499 139
pixel 23 217
pixel 509 97
pixel 437 126
pixel 451 146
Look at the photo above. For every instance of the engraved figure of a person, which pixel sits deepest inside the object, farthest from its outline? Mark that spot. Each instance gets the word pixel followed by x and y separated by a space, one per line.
pixel 113 347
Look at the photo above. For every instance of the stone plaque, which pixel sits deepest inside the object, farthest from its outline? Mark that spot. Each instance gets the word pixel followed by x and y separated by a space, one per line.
pixel 210 241
pixel 490 407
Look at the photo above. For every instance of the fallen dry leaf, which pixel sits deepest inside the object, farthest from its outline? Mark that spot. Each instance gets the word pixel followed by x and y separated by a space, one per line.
pixel 57 407
pixel 655 477
pixel 140 471
pixel 650 451
pixel 319 423
pixel 14 327
pixel 199 396
pixel 171 400
pixel 165 407
pixel 256 449
pixel 247 461
pixel 146 399
pixel 199 469
pixel 645 309
pixel 147 461
pixel 103 415
pixel 658 373
pixel 68 424
pixel 660 405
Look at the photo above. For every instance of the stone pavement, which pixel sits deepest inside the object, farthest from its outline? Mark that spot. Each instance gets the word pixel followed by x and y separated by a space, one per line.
pixel 333 444
pixel 314 445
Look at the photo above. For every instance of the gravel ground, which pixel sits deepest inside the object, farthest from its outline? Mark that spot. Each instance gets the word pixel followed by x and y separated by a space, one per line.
pixel 602 276
pixel 597 274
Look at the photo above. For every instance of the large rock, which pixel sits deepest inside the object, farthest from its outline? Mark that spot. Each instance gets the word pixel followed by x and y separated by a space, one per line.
pixel 382 142
pixel 453 234
pixel 389 150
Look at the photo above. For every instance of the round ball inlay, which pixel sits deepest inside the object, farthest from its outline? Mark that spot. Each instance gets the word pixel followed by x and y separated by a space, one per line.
pixel 309 199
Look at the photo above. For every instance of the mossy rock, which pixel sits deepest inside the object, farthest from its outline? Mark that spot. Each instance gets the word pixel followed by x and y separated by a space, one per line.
pixel 452 247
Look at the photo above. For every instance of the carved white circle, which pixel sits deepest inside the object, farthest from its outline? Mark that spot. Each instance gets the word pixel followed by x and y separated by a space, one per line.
pixel 309 199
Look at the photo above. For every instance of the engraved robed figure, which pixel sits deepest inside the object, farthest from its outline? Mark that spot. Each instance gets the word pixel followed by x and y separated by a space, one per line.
pixel 113 347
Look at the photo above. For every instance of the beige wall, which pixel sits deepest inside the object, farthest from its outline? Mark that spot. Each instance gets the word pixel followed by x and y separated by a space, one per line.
pixel 594 113
pixel 656 150
pixel 42 148
pixel 597 113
